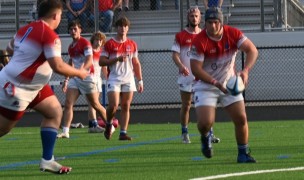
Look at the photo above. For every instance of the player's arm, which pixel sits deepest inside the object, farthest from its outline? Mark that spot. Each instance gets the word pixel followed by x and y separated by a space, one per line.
pixel 116 4
pixel 177 61
pixel 201 74
pixel 251 56
pixel 60 67
pixel 105 61
pixel 138 73
pixel 10 47
pixel 88 61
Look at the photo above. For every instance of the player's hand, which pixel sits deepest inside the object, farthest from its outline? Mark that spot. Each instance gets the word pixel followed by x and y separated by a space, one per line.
pixel 184 71
pixel 221 87
pixel 140 86
pixel 65 86
pixel 244 76
pixel 83 73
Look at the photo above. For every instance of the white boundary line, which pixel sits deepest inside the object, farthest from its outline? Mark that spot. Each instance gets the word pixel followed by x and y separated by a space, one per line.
pixel 248 173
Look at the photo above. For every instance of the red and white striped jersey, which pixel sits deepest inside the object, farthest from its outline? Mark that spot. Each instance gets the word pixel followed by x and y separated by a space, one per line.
pixel 33 45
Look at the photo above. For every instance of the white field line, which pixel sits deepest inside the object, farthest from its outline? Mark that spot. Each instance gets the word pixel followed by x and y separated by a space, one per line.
pixel 249 173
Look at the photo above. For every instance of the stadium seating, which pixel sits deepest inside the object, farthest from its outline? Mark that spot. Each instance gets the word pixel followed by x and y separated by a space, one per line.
pixel 244 14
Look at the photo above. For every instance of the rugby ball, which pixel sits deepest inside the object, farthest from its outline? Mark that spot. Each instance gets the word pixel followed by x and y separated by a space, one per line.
pixel 235 85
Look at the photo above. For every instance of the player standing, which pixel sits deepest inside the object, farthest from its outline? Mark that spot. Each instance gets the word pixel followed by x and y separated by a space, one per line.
pixel 81 54
pixel 181 57
pixel 213 63
pixel 97 40
pixel 36 53
pixel 120 54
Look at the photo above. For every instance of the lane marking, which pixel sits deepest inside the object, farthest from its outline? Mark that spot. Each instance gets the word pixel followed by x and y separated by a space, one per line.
pixel 249 173
pixel 109 149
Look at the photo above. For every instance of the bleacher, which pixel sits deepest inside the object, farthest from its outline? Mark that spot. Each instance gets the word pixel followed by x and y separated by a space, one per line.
pixel 8 17
pixel 244 15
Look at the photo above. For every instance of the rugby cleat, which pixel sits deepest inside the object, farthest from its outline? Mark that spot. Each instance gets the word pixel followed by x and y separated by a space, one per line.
pixel 63 135
pixel 207 146
pixel 53 167
pixel 108 131
pixel 124 137
pixel 186 138
pixel 96 129
pixel 215 139
pixel 245 158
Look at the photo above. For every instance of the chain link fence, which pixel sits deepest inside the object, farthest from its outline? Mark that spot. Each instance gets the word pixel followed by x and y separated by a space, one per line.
pixel 163 16
pixel 276 79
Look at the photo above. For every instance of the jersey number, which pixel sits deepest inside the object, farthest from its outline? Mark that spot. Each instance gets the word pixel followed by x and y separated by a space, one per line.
pixel 26 34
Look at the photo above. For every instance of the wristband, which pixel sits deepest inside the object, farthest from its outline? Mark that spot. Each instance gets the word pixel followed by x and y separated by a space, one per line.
pixel 140 82
pixel 213 82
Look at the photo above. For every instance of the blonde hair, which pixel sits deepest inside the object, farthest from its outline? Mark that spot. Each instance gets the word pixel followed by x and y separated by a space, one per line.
pixel 99 36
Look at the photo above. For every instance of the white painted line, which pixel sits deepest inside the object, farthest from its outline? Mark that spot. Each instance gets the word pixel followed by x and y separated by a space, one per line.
pixel 249 173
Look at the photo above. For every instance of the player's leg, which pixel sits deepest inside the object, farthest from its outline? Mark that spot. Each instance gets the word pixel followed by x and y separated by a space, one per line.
pixel 72 95
pixel 113 100
pixel 48 105
pixel 5 124
pixel 238 114
pixel 205 108
pixel 186 98
pixel 95 106
pixel 126 99
pixel 205 119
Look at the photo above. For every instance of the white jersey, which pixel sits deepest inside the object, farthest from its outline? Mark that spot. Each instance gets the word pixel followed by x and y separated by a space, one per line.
pixel 182 45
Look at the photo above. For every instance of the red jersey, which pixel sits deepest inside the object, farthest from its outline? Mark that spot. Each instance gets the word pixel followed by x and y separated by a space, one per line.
pixel 33 45
pixel 218 55
pixel 78 52
pixel 104 5
pixel 120 71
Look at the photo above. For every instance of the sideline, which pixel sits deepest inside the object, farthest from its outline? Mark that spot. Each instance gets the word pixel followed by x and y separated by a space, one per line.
pixel 249 173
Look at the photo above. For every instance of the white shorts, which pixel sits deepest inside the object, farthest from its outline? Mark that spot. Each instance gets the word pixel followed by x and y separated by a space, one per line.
pixel 186 87
pixel 212 97
pixel 86 86
pixel 16 98
pixel 121 87
pixel 99 84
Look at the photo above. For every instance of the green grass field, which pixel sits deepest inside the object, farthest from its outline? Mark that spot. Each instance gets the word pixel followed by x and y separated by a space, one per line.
pixel 157 153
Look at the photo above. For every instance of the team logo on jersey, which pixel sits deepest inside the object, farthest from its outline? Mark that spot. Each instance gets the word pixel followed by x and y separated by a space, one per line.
pixel 128 48
pixel 212 51
pixel 213 66
pixel 193 51
pixel 15 104
pixel 188 41
pixel 116 49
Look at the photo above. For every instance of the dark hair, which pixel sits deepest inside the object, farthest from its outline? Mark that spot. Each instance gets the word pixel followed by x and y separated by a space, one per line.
pixel 123 21
pixel 4 58
pixel 73 23
pixel 46 7
pixel 214 13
